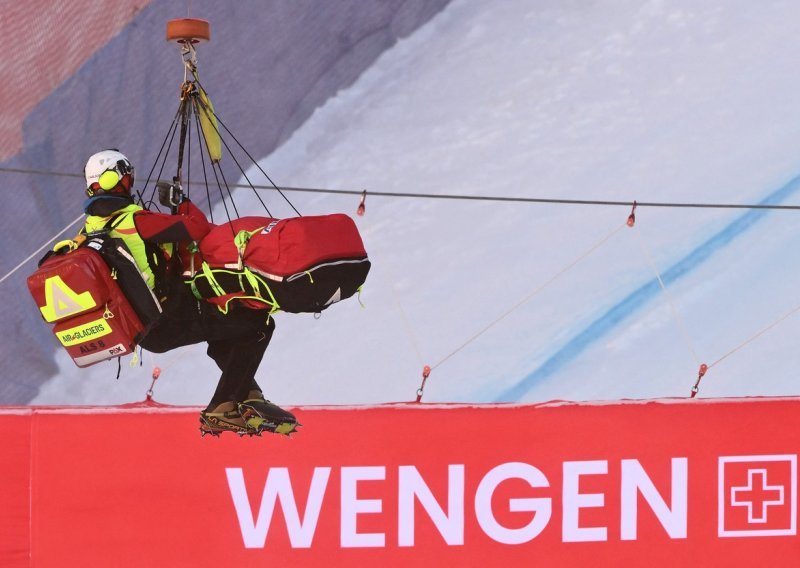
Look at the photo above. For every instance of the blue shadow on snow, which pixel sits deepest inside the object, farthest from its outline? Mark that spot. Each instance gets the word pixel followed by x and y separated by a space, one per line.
pixel 642 295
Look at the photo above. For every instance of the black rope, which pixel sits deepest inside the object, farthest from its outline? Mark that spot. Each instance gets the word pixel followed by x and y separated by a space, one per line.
pixel 535 199
pixel 169 136
pixel 228 189
pixel 210 113
pixel 163 165
pixel 185 110
pixel 507 199
pixel 253 160
pixel 39 172
pixel 214 169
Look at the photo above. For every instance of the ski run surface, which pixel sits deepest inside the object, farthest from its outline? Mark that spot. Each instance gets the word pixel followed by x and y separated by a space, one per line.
pixel 655 101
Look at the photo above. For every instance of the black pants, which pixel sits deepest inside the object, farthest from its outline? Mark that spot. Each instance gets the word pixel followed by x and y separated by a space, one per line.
pixel 236 340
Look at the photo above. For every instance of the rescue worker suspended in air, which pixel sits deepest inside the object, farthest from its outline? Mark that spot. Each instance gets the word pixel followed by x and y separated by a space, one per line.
pixel 162 246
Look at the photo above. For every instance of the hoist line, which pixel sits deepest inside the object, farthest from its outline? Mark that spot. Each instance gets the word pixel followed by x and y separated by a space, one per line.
pixel 464 197
pixel 152 199
pixel 185 111
pixel 169 137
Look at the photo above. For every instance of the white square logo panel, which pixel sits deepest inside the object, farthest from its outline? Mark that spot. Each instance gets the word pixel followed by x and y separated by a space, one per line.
pixel 757 495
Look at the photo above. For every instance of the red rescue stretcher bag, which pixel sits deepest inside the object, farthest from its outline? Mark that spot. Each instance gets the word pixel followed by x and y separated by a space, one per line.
pixel 81 293
pixel 302 264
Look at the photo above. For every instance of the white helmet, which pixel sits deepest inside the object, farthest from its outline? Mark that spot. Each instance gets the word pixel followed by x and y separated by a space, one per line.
pixel 105 173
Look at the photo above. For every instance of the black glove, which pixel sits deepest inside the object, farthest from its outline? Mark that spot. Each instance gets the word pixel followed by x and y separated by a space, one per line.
pixel 169 195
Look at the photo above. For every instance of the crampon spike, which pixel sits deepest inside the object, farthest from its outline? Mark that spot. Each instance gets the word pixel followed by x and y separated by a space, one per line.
pixel 362 205
pixel 204 433
pixel 700 373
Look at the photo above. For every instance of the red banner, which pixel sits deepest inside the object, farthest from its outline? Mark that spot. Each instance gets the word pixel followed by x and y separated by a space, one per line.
pixel 15 489
pixel 690 483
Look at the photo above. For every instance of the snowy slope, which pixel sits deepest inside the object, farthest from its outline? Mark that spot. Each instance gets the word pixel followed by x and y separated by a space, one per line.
pixel 670 100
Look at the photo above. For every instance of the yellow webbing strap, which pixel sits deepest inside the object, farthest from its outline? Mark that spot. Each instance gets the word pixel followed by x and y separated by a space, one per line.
pixel 273 307
pixel 255 281
pixel 208 124
pixel 193 287
pixel 241 239
pixel 68 244
pixel 209 274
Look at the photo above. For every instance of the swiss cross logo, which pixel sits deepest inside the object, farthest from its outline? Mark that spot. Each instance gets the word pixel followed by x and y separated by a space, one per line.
pixel 758 495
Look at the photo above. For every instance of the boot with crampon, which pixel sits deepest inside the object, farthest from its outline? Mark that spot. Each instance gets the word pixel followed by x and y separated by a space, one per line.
pixel 224 417
pixel 264 416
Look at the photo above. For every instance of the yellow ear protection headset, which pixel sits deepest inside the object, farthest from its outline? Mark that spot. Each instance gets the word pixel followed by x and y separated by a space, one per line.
pixel 110 178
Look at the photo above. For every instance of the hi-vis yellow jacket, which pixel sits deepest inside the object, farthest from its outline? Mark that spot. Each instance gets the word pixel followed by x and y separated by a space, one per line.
pixel 136 226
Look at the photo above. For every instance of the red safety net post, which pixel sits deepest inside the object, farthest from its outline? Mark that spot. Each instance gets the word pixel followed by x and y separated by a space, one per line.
pixel 362 205
pixel 632 217
pixel 700 373
pixel 156 374
pixel 426 372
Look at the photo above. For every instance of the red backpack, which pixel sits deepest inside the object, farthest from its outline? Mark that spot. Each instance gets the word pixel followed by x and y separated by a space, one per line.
pixel 81 295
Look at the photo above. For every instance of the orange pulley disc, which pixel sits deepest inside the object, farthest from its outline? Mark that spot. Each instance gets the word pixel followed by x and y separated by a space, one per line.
pixel 190 30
